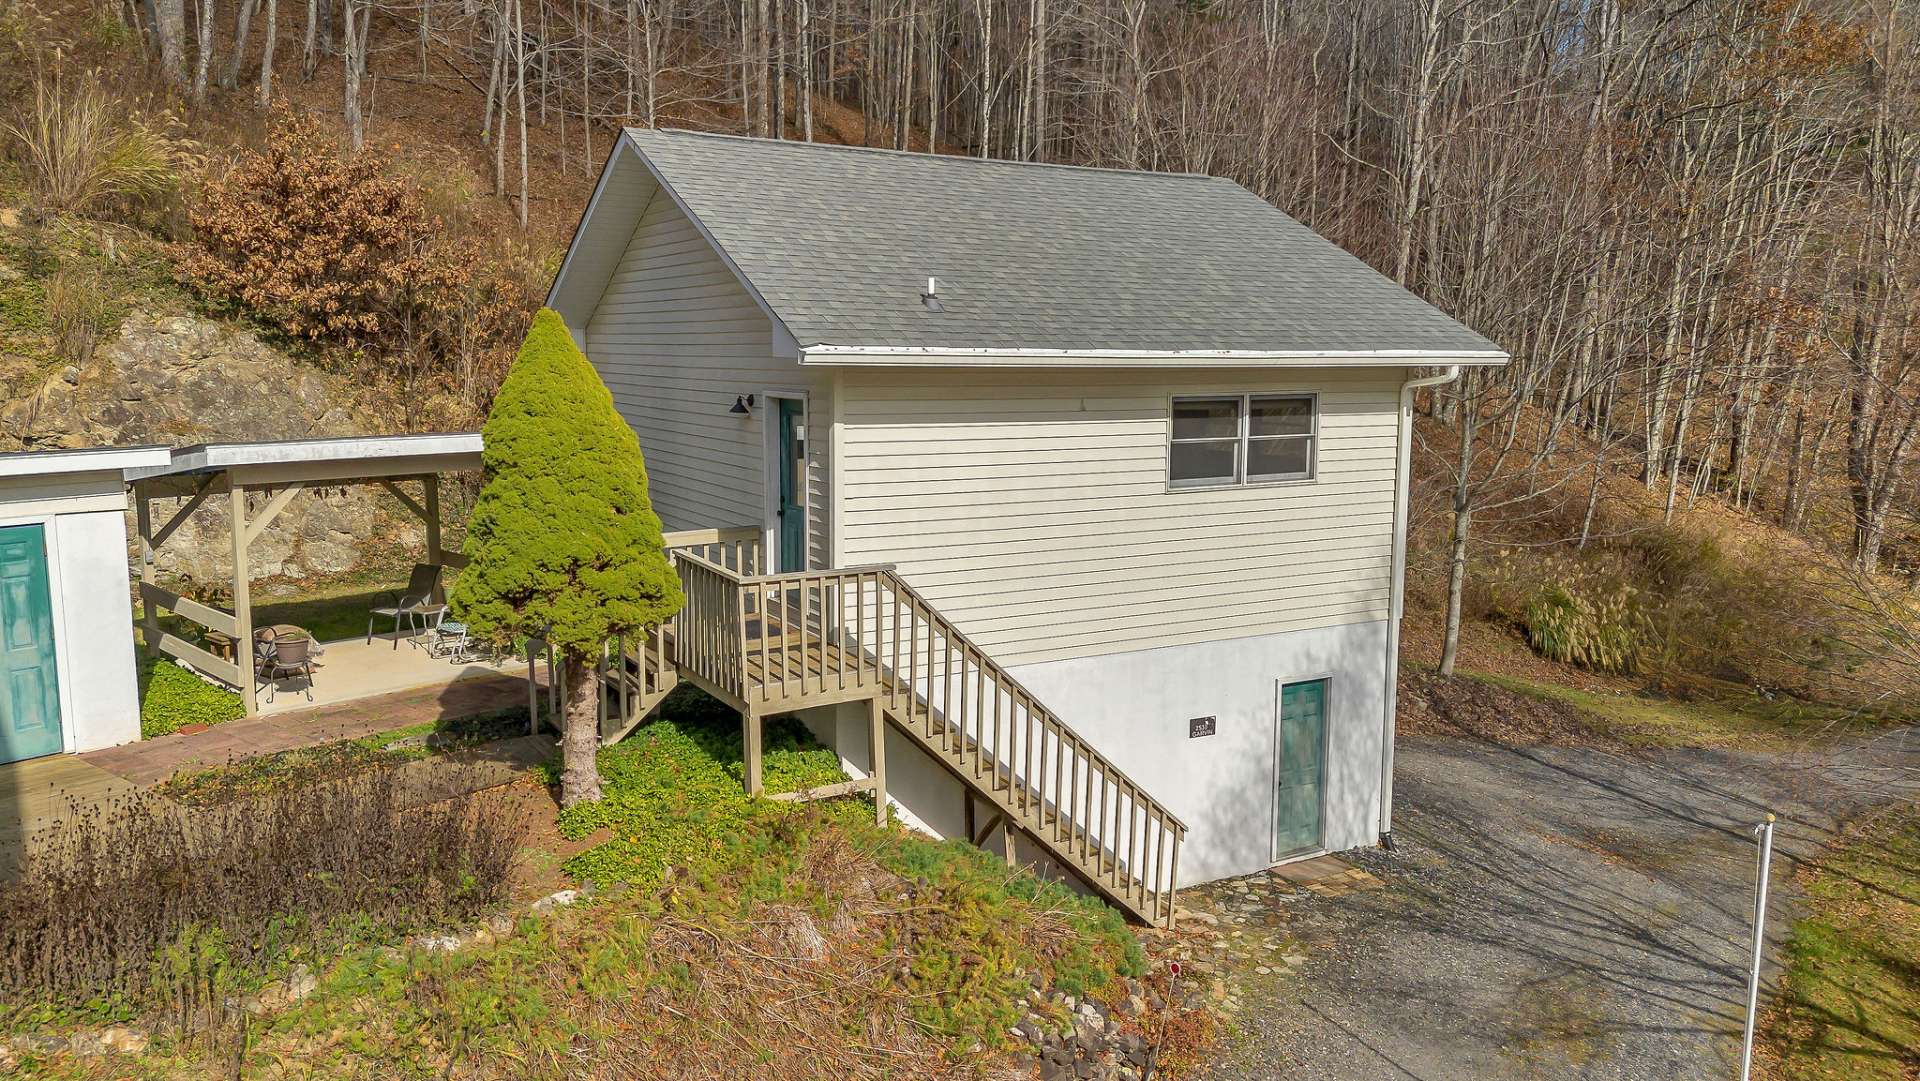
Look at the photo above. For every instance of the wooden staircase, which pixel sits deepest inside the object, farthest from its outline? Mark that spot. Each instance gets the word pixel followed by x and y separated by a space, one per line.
pixel 774 643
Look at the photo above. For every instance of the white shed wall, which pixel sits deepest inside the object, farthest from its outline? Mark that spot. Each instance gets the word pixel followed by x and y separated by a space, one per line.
pixel 102 706
pixel 84 519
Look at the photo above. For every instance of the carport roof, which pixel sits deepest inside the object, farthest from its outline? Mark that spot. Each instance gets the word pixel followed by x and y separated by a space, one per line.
pixel 360 457
pixel 39 463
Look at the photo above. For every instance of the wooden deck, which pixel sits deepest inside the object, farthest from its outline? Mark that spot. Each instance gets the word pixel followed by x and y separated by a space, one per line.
pixel 775 643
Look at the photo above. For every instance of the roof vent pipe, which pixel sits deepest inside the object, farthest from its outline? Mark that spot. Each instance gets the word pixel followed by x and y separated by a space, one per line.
pixel 931 298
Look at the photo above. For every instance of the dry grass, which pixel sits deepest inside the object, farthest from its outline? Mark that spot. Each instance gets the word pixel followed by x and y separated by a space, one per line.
pixel 83 150
pixel 1725 598
pixel 79 312
pixel 1851 1006
pixel 100 900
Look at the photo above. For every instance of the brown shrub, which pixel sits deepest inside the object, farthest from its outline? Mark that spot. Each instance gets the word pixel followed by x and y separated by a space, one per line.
pixel 324 246
pixel 337 249
pixel 129 900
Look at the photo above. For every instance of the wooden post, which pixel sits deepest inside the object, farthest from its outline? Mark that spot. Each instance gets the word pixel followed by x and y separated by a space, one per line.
pixel 1006 842
pixel 877 739
pixel 750 722
pixel 966 816
pixel 242 598
pixel 143 513
pixel 533 690
pixel 430 504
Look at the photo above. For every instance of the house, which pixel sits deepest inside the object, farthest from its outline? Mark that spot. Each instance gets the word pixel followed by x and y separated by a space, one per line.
pixel 1130 447
pixel 66 659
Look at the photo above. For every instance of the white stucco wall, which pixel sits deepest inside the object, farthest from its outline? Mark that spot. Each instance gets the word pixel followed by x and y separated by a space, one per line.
pixel 1135 708
pixel 84 519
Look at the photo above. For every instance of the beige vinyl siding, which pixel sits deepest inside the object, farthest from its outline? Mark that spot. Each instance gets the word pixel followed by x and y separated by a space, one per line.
pixel 676 338
pixel 1033 507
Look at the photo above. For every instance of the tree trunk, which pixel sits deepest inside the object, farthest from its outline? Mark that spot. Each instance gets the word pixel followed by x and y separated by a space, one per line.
pixel 1411 183
pixel 580 737
pixel 763 67
pixel 203 60
pixel 777 123
pixel 520 92
pixel 310 44
pixel 237 58
pixel 266 53
pixel 803 28
pixel 353 29
pixel 1457 536
pixel 170 27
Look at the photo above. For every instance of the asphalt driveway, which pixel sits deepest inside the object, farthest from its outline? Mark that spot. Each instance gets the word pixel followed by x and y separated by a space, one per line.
pixel 1553 912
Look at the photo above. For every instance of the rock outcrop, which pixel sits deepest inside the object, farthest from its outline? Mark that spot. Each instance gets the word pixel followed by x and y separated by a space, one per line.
pixel 181 379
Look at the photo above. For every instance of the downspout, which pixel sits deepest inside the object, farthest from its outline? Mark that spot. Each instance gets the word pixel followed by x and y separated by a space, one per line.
pixel 1397 590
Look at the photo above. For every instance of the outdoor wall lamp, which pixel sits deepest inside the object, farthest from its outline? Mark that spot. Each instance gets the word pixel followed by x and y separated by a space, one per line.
pixel 742 405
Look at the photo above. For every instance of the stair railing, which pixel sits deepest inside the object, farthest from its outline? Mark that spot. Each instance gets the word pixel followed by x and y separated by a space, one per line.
pixel 1062 788
pixel 848 632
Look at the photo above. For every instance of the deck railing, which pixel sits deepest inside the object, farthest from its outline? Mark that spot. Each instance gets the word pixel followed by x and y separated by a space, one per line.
pixel 783 641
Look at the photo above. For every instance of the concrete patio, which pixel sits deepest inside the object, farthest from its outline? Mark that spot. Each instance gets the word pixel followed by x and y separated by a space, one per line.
pixel 354 668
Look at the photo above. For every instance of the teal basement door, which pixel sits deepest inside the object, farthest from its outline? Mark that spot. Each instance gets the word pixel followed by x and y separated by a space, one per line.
pixel 29 687
pixel 1301 777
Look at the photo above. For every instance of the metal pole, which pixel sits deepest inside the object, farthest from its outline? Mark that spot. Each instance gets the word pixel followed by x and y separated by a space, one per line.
pixel 1764 834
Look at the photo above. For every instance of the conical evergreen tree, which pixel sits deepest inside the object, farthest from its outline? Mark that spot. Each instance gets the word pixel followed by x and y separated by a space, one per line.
pixel 563 543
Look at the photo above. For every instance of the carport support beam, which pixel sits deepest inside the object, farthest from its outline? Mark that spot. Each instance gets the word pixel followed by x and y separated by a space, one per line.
pixel 143 518
pixel 242 599
pixel 430 504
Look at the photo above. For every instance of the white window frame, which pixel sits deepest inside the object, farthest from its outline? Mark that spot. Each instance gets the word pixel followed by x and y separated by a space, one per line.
pixel 1243 442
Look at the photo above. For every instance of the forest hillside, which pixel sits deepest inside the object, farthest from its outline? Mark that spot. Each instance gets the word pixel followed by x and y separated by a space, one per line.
pixel 1695 227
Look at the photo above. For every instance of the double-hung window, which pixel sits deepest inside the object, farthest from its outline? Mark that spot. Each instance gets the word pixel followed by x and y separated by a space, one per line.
pixel 1229 439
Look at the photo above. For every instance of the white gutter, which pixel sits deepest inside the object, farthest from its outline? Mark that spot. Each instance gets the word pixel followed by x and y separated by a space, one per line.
pixel 916 356
pixel 1397 591
pixel 905 354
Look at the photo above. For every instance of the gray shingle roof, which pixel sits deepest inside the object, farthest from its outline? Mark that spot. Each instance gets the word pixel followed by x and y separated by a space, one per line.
pixel 840 242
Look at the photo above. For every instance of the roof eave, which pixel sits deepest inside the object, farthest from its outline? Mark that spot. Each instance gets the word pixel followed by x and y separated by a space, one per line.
pixel 79 460
pixel 862 356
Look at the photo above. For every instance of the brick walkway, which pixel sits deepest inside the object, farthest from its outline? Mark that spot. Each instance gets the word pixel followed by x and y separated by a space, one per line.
pixel 151 761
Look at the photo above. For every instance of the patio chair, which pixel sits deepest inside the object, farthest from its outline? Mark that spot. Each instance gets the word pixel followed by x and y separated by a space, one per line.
pixel 277 656
pixel 418 604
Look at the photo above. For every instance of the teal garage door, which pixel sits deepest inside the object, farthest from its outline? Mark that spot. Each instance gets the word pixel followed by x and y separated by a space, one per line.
pixel 29 687
pixel 1302 774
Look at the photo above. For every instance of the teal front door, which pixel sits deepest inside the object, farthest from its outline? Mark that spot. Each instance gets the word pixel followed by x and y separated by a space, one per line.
pixel 29 686
pixel 1302 775
pixel 793 484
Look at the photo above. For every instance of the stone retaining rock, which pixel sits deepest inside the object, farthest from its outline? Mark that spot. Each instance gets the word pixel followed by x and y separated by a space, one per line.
pixel 1070 1039
pixel 181 379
